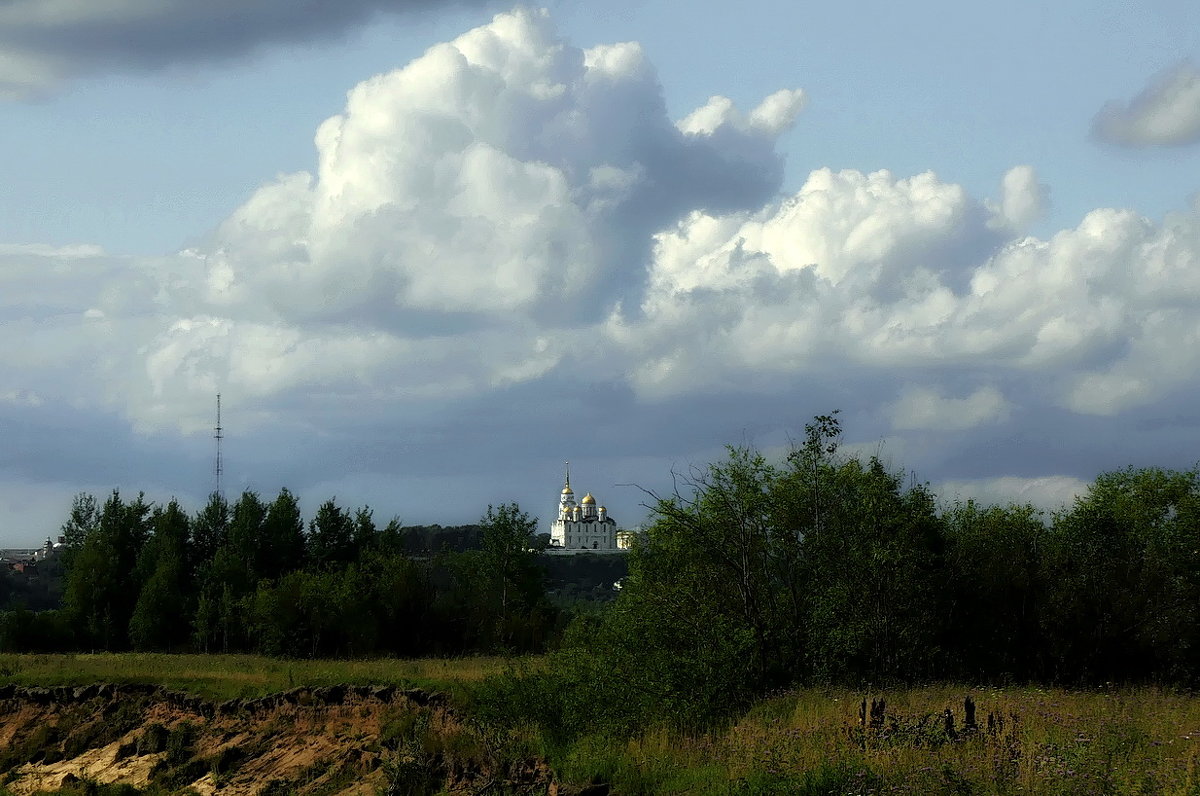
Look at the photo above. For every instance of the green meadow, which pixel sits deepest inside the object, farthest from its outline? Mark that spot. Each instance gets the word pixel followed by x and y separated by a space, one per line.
pixel 221 677
pixel 1041 741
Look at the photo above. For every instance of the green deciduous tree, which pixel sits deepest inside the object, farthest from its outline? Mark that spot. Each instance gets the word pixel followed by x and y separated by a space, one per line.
pixel 210 530
pixel 754 576
pixel 510 556
pixel 245 540
pixel 701 623
pixel 168 591
pixel 400 600
pixel 103 585
pixel 496 596
pixel 281 546
pixel 1122 574
pixel 331 537
pixel 994 591
pixel 366 535
pixel 873 568
pixel 82 521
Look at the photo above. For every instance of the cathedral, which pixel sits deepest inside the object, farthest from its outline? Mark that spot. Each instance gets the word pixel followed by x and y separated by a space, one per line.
pixel 582 526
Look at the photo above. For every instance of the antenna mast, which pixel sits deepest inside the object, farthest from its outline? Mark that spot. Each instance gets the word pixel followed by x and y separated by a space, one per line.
pixel 218 436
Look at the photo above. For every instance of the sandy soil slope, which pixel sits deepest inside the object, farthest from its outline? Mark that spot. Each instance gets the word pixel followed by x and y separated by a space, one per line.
pixel 331 740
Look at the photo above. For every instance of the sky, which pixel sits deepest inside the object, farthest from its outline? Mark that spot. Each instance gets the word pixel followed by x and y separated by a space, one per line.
pixel 428 251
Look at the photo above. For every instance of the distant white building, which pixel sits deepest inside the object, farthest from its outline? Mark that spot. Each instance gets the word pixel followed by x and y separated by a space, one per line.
pixel 583 526
pixel 50 549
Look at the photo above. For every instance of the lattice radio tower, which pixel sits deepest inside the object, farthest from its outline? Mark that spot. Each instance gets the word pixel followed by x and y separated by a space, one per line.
pixel 218 436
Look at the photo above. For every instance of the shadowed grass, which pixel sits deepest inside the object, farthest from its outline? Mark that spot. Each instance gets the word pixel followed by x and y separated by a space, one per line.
pixel 1043 741
pixel 221 677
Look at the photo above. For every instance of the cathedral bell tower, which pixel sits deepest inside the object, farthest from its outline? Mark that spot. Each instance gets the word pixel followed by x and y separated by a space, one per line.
pixel 566 500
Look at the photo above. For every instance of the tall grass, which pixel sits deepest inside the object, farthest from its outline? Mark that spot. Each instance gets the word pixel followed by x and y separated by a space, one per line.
pixel 1126 741
pixel 222 677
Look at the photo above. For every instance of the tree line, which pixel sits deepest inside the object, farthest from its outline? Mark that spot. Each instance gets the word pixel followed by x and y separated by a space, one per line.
pixel 828 568
pixel 753 576
pixel 252 576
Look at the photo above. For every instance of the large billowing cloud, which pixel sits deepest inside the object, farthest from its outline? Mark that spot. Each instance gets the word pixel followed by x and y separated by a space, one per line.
pixel 43 41
pixel 472 216
pixel 872 272
pixel 530 171
pixel 1165 113
pixel 509 254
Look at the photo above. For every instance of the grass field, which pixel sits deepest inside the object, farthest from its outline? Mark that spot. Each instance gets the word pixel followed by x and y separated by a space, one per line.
pixel 221 677
pixel 1133 741
pixel 807 741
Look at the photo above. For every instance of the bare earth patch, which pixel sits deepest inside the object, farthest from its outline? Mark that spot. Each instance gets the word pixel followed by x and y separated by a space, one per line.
pixel 333 740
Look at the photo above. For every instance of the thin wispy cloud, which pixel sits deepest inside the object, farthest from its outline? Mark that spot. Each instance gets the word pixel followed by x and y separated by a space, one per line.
pixel 1166 113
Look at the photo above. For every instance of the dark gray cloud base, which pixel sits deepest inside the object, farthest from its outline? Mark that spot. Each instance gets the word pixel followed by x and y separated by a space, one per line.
pixel 45 41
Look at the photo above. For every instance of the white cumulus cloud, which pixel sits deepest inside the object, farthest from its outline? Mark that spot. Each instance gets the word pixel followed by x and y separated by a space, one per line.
pixel 1022 200
pixel 485 178
pixel 774 115
pixel 472 216
pixel 873 272
pixel 922 408
pixel 1048 493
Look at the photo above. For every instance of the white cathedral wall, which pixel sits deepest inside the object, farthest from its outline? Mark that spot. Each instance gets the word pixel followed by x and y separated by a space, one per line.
pixel 582 535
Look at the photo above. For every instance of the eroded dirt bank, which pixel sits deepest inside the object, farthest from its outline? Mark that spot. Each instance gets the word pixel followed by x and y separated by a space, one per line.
pixel 330 740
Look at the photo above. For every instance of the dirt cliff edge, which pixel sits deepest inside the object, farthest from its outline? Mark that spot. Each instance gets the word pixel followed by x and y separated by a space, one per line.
pixel 311 741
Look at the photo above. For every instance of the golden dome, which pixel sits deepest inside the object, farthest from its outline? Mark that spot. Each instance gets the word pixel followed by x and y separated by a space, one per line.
pixel 588 499
pixel 567 490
